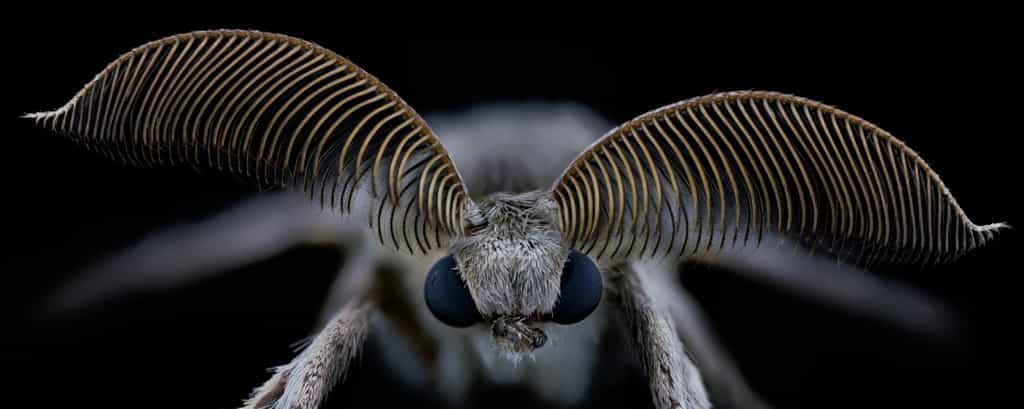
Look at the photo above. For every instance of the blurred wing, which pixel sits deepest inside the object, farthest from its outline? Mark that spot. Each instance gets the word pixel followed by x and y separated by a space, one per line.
pixel 824 280
pixel 516 147
pixel 721 170
pixel 279 110
pixel 254 230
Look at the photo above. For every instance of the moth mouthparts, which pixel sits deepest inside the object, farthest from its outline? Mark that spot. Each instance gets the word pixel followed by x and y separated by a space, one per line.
pixel 514 332
pixel 539 339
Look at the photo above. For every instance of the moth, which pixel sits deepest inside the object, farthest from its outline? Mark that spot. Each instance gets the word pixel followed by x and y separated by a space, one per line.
pixel 520 270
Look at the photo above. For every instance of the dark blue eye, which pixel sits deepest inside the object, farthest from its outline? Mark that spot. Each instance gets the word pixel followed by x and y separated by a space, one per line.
pixel 581 290
pixel 447 296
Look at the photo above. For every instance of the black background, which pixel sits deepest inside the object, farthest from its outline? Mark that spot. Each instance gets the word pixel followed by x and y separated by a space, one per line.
pixel 949 89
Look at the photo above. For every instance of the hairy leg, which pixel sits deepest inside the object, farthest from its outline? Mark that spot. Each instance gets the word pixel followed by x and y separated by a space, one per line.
pixel 305 382
pixel 718 368
pixel 674 380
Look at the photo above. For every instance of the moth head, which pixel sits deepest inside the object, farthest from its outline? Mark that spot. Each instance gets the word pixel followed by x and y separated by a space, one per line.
pixel 513 271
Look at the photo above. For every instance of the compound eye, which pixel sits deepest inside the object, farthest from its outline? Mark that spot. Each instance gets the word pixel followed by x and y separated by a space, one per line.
pixel 581 290
pixel 447 296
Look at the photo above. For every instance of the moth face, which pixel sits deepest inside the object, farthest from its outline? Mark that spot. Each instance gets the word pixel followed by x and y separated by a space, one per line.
pixel 513 272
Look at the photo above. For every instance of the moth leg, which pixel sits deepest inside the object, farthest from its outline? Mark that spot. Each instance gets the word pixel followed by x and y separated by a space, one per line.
pixel 395 328
pixel 717 366
pixel 305 382
pixel 362 259
pixel 253 230
pixel 823 279
pixel 674 380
